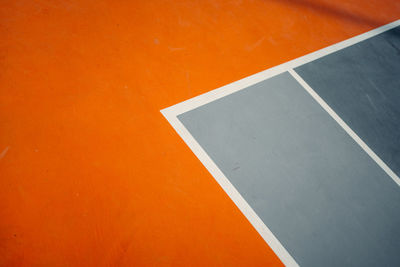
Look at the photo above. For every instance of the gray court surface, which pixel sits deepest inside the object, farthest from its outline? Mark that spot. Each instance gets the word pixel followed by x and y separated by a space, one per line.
pixel 362 85
pixel 322 196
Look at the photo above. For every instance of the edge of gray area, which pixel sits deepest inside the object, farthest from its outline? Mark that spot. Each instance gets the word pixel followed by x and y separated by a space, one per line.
pixel 365 91
pixel 322 196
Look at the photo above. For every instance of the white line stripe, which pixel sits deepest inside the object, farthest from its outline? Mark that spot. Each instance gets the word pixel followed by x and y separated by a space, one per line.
pixel 172 112
pixel 226 185
pixel 336 117
pixel 258 77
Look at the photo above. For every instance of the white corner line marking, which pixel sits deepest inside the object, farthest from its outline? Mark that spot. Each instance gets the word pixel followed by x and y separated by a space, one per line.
pixel 263 75
pixel 348 130
pixel 231 191
pixel 172 112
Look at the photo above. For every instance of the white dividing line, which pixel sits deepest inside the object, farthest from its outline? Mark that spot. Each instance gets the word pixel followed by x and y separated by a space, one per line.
pixel 172 112
pixel 353 135
pixel 239 201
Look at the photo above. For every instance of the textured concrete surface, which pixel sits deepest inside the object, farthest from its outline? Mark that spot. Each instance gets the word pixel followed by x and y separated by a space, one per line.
pixel 362 84
pixel 322 196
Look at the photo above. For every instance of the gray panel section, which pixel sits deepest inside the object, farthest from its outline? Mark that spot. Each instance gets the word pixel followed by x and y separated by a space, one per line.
pixel 362 85
pixel 322 196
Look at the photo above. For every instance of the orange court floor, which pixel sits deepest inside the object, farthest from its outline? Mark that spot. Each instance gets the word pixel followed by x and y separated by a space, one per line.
pixel 91 173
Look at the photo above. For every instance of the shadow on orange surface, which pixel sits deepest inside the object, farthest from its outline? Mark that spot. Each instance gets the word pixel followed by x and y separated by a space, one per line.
pixel 337 11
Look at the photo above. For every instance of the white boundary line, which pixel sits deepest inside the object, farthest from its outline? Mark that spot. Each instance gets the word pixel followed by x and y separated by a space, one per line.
pixel 172 112
pixel 239 201
pixel 263 75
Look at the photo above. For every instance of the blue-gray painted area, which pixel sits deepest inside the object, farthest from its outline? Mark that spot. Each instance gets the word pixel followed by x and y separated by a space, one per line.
pixel 361 84
pixel 322 196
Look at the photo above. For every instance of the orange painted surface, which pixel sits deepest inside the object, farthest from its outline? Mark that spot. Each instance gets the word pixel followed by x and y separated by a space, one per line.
pixel 91 174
